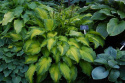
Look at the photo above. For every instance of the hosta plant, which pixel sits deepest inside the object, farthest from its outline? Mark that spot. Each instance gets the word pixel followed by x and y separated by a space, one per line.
pixel 55 44
pixel 111 63
pixel 12 67
pixel 108 19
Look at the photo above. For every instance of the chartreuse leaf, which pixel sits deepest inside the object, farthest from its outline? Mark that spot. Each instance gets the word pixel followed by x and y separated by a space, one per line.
pixel 86 67
pixel 51 34
pixel 27 44
pixel 18 25
pixel 55 72
pixel 75 33
pixel 43 65
pixel 40 78
pixel 8 17
pixel 44 43
pixel 115 27
pixel 57 57
pixel 49 24
pixel 83 40
pixel 51 42
pixel 30 72
pixel 42 13
pixel 36 32
pixel 15 37
pixel 87 54
pixel 63 47
pixel 54 50
pixel 73 42
pixel 73 73
pixel 73 53
pixel 63 38
pixel 65 70
pixel 34 48
pixel 67 60
pixel 31 59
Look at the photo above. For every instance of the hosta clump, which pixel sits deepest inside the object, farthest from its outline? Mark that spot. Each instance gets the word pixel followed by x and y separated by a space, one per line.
pixel 12 67
pixel 55 45
pixel 111 63
pixel 108 18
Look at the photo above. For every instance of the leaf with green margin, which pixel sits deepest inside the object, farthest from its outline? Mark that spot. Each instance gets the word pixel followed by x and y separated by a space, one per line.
pixel 34 48
pixel 98 16
pixel 73 53
pixel 49 24
pixel 121 14
pixel 73 42
pixel 36 32
pixel 83 40
pixel 43 65
pixel 73 73
pixel 63 47
pixel 31 59
pixel 51 34
pixel 40 78
pixel 67 60
pixel 45 52
pixel 54 50
pixel 50 43
pixel 30 72
pixel 15 37
pixel 65 71
pixel 42 13
pixel 115 27
pixel 102 29
pixel 75 33
pixel 86 67
pixel 55 72
pixel 16 79
pixel 18 25
pixel 114 74
pixel 8 17
pixel 44 43
pixel 63 38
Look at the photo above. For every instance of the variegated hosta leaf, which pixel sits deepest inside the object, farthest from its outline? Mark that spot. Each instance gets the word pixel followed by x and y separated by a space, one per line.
pixel 36 32
pixel 49 24
pixel 63 47
pixel 42 13
pixel 54 50
pixel 44 43
pixel 40 78
pixel 86 67
pixel 96 38
pixel 73 73
pixel 63 38
pixel 43 65
pixel 57 57
pixel 30 72
pixel 8 17
pixel 75 33
pixel 18 25
pixel 50 43
pixel 51 34
pixel 15 37
pixel 87 54
pixel 45 52
pixel 55 72
pixel 73 42
pixel 67 60
pixel 83 40
pixel 73 53
pixel 65 70
pixel 31 59
pixel 32 47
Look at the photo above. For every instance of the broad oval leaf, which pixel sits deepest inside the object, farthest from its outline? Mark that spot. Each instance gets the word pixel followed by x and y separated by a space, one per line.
pixel 65 70
pixel 115 27
pixel 36 32
pixel 18 25
pixel 83 40
pixel 73 73
pixel 73 42
pixel 75 33
pixel 43 65
pixel 99 73
pixel 30 72
pixel 31 59
pixel 67 60
pixel 55 72
pixel 73 53
pixel 50 43
pixel 49 24
pixel 8 17
pixel 86 67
